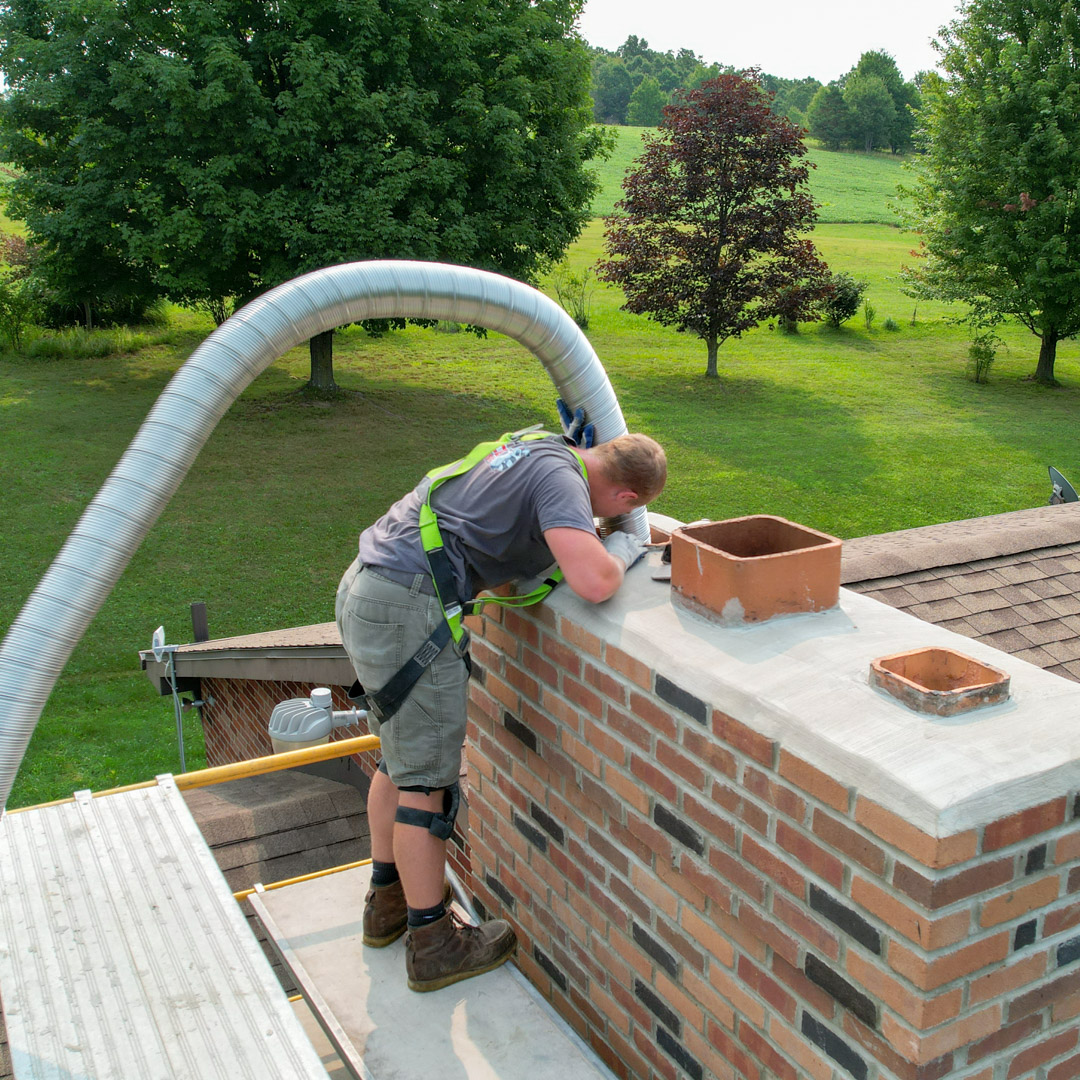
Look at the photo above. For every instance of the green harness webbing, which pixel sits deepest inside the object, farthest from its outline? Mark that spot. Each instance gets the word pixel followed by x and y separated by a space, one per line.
pixel 385 702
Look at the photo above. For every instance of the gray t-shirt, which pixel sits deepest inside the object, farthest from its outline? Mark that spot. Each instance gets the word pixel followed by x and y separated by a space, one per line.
pixel 492 518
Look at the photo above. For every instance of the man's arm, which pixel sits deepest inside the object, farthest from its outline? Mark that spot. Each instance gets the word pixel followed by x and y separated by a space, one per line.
pixel 587 568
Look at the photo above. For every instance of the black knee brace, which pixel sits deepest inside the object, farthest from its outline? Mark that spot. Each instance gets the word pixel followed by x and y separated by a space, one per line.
pixel 440 825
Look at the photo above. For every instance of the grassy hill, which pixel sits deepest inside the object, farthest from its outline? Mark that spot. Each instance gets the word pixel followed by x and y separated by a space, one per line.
pixel 850 187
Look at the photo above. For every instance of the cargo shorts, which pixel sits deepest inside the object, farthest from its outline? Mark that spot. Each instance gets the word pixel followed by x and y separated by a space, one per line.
pixel 382 624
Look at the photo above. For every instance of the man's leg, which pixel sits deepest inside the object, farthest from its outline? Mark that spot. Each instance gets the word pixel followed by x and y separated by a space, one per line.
pixel 420 856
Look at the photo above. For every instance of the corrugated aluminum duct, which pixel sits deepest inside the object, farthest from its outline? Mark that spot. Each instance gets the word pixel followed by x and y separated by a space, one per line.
pixel 61 607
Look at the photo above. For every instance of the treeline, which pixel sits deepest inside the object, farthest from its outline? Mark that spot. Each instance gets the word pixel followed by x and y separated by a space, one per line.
pixel 869 108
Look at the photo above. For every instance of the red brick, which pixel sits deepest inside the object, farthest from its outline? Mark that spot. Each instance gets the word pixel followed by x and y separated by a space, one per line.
pixel 716 946
pixel 1018 902
pixel 566 713
pixel 942 891
pixel 800 1049
pixel 815 858
pixel 526 629
pixel 485 656
pixel 546 672
pixel 681 944
pixel 766 987
pixel 716 757
pixel 787 801
pixel 628 789
pixel 718 828
pixel 708 883
pixel 924 1048
pixel 658 895
pixel 1007 980
pixel 743 738
pixel 605 684
pixel 1065 1070
pixel 935 852
pixel 681 765
pixel 784 875
pixel 813 931
pixel 1061 919
pixel 734 871
pixel 775 1064
pixel 629 897
pixel 920 1011
pixel 501 639
pixel 603 742
pixel 732 1053
pixel 561 655
pixel 813 781
pixel 1049 993
pixel 929 933
pixel 643 839
pixel 715 1006
pixel 652 715
pixel 583 697
pixel 1004 1037
pixel 627 665
pixel 628 728
pixel 825 1005
pixel 597 794
pixel 1047 1050
pixel 539 723
pixel 581 638
pixel 931 974
pixel 1024 825
pixel 883 1053
pixel 746 810
pixel 767 931
pixel 662 1064
pixel 637 1065
pixel 1067 847
pixel 1066 1008
pixel 653 778
pixel 853 844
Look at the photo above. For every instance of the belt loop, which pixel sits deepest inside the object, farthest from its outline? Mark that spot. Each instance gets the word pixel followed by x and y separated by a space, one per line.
pixel 417 584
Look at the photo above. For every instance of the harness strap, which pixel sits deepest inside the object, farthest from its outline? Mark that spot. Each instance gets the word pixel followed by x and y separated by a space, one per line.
pixel 385 702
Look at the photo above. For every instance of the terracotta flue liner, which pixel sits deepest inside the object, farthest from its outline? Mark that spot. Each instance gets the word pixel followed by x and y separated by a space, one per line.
pixel 940 682
pixel 749 569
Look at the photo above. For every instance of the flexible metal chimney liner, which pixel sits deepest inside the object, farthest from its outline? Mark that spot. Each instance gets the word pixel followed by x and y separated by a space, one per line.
pixel 66 599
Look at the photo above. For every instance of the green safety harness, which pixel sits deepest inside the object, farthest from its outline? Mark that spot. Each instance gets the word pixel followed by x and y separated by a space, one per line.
pixel 385 702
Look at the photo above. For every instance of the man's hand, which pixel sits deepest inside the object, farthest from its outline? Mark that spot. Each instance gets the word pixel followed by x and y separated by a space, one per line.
pixel 574 426
pixel 625 547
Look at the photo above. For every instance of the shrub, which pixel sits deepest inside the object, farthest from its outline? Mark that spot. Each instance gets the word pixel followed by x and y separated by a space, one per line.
pixel 844 301
pixel 890 324
pixel 79 344
pixel 981 355
pixel 574 292
pixel 869 311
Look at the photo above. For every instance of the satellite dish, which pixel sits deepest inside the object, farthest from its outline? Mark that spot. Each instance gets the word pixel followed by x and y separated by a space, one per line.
pixel 157 642
pixel 1063 491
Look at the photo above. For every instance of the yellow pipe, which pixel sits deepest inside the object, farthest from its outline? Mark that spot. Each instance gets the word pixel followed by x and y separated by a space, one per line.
pixel 240 769
pixel 243 894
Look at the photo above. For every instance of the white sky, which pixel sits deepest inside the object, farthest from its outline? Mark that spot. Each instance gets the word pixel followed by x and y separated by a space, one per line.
pixel 790 38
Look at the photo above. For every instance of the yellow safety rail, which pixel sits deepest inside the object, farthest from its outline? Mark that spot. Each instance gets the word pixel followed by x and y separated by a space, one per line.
pixel 240 769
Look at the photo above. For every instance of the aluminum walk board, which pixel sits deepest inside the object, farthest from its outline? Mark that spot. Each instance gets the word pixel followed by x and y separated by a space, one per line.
pixel 493 1027
pixel 124 954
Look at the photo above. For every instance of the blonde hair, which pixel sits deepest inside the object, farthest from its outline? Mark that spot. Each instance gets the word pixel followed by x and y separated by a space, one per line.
pixel 634 462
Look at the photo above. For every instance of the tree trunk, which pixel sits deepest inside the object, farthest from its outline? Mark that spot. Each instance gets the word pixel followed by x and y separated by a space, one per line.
pixel 1044 373
pixel 710 369
pixel 88 315
pixel 321 347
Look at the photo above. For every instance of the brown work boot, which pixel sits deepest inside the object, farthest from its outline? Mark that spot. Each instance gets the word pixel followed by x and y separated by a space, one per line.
pixel 386 914
pixel 448 951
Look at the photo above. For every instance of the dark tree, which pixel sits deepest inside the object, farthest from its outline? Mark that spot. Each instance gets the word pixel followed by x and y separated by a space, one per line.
pixel 830 118
pixel 996 200
pixel 221 148
pixel 709 236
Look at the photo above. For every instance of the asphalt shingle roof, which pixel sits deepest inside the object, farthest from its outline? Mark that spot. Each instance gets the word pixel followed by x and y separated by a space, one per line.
pixel 1010 580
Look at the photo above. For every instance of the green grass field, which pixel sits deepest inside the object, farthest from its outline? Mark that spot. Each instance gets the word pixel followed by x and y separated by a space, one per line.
pixel 849 187
pixel 853 431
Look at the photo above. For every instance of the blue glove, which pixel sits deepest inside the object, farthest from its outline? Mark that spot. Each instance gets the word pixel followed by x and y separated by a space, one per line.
pixel 574 426
pixel 624 546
